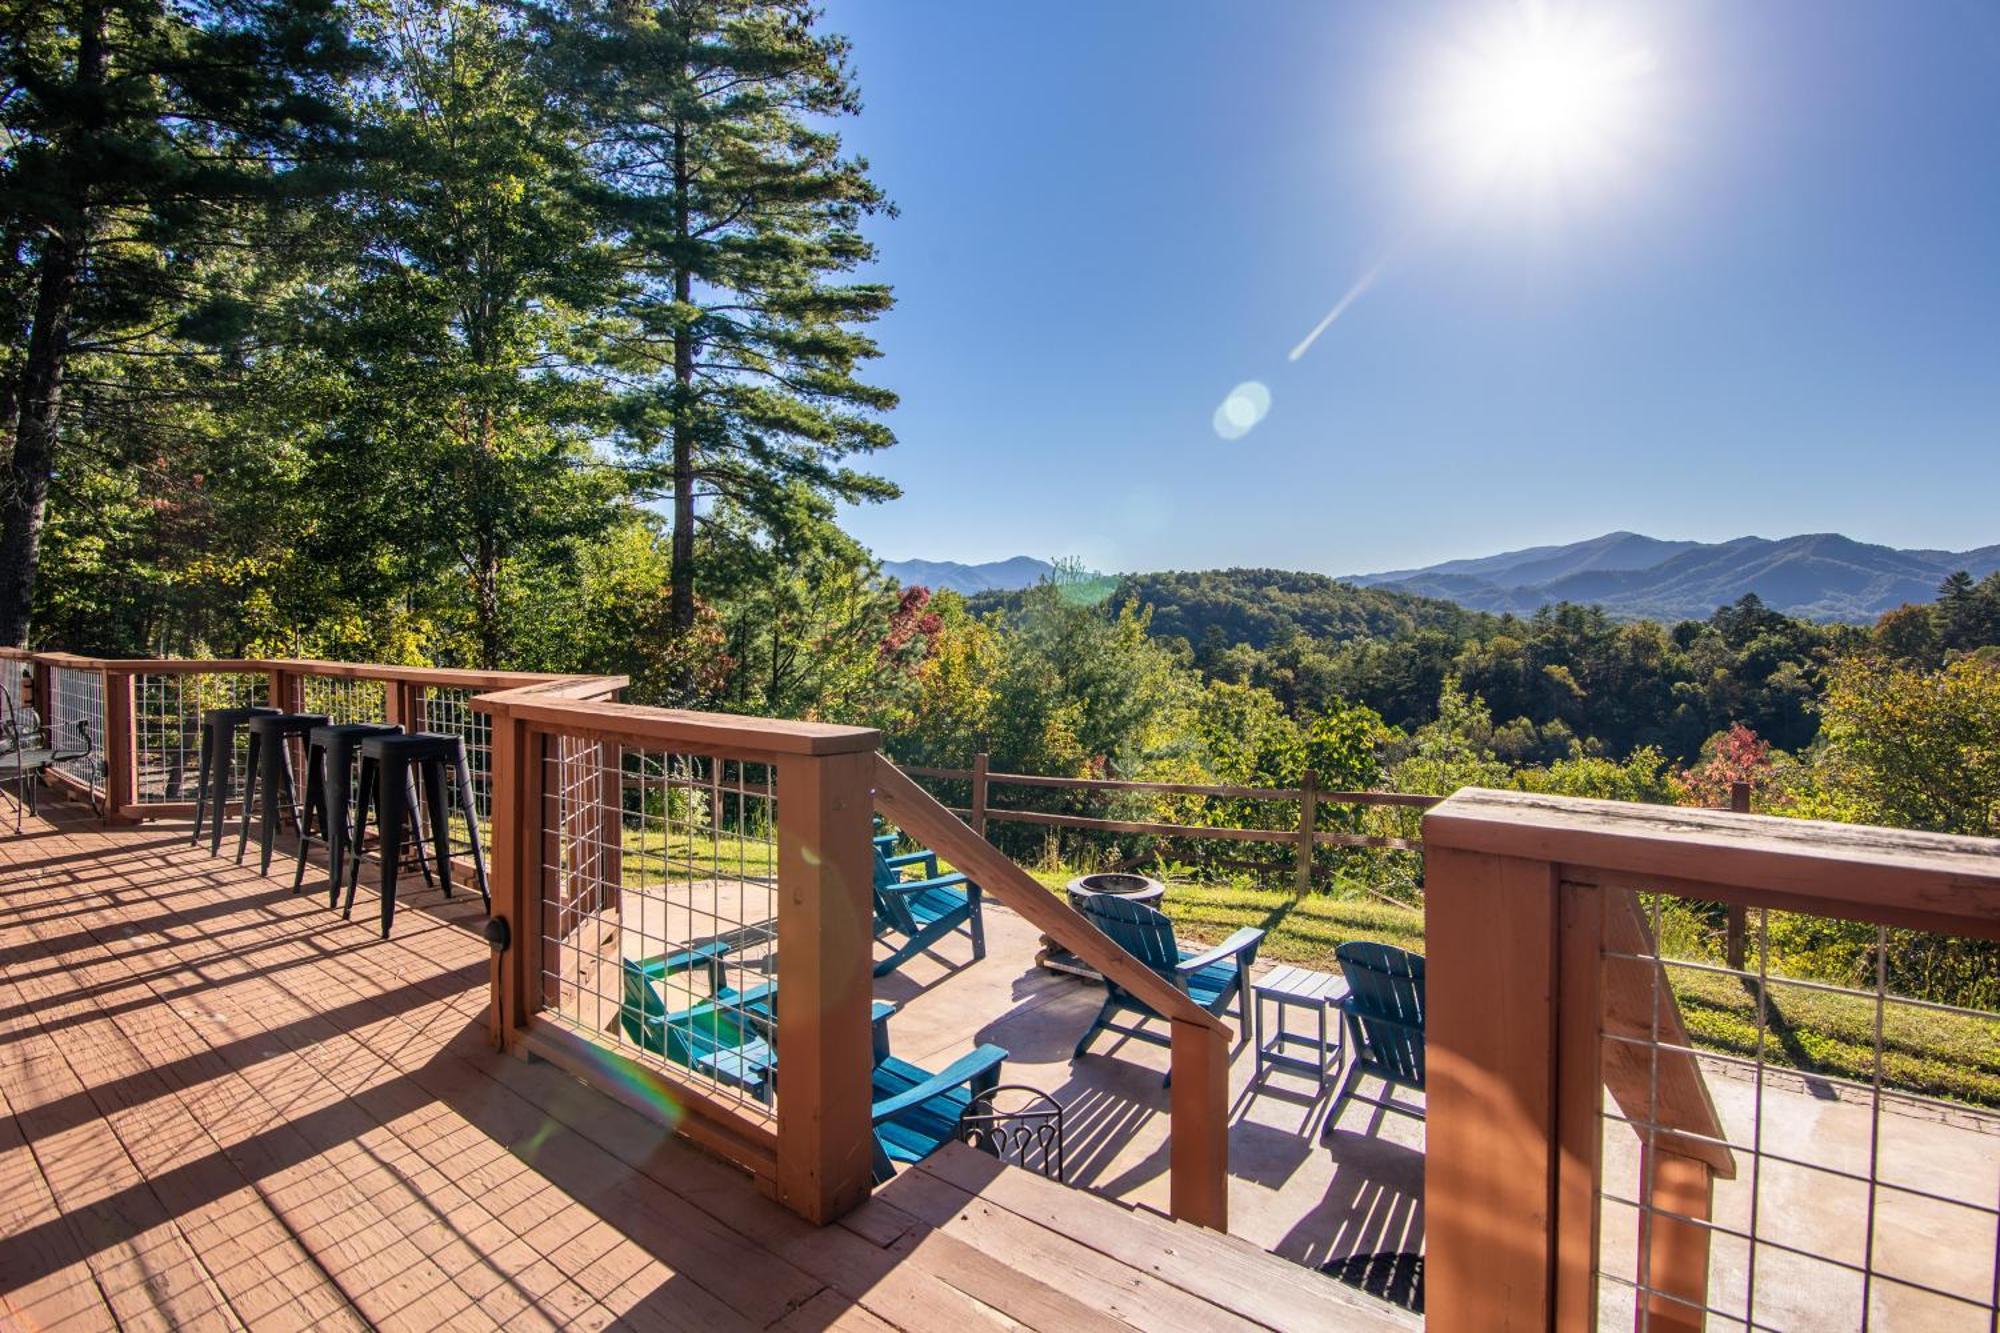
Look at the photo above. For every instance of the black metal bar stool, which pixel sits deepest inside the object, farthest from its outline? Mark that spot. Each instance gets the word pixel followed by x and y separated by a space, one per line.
pixel 216 767
pixel 270 774
pixel 389 765
pixel 331 752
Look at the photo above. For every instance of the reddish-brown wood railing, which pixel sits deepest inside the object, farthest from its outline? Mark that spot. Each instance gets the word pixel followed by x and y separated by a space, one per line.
pixel 1527 897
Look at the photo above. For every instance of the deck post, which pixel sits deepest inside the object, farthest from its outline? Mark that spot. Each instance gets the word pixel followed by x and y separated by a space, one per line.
pixel 1308 821
pixel 121 746
pixel 1198 1152
pixel 978 808
pixel 1490 1032
pixel 1735 922
pixel 515 870
pixel 825 919
pixel 1678 1187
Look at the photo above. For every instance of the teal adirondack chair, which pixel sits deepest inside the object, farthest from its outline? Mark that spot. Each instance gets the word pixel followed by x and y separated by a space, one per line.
pixel 922 911
pixel 685 1037
pixel 1384 1013
pixel 917 1112
pixel 1210 978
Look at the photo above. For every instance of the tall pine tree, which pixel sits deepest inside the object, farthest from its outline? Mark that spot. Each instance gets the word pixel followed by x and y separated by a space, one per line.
pixel 735 347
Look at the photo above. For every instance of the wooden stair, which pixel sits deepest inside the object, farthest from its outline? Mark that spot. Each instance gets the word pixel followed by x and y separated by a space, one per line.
pixel 1133 1268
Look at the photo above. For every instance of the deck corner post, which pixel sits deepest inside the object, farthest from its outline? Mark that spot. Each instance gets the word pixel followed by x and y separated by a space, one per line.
pixel 515 871
pixel 825 933
pixel 1492 1175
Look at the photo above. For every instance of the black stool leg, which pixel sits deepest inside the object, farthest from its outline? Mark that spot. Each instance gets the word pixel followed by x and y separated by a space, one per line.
pixel 269 790
pixel 251 764
pixel 389 795
pixel 417 827
pixel 471 812
pixel 282 782
pixel 337 841
pixel 200 787
pixel 360 839
pixel 224 742
pixel 315 811
pixel 440 824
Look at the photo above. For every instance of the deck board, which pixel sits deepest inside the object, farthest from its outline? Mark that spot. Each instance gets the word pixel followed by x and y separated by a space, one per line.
pixel 227 1108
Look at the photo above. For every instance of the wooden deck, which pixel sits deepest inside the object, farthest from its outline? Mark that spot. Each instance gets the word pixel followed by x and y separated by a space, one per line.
pixel 225 1107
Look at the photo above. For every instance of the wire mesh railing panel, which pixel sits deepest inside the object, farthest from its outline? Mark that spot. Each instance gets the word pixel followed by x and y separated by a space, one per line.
pixel 659 912
pixel 166 717
pixel 448 710
pixel 344 699
pixel 1854 1076
pixel 76 724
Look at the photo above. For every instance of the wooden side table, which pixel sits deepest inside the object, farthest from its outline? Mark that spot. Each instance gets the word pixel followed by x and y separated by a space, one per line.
pixel 1287 986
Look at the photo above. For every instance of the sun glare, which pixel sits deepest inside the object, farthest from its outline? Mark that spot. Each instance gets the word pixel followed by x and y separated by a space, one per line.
pixel 1543 98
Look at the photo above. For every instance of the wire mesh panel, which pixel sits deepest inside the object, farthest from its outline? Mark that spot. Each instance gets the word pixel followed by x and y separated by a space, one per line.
pixel 166 715
pixel 76 721
pixel 344 699
pixel 449 710
pixel 659 912
pixel 1856 1091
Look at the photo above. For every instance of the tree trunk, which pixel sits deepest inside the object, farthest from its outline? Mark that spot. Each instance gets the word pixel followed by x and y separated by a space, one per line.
pixel 682 570
pixel 24 506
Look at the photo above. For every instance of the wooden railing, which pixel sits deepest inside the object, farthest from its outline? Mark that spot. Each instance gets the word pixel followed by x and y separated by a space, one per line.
pixel 1547 988
pixel 554 770
pixel 1305 835
pixel 1199 1147
pixel 144 713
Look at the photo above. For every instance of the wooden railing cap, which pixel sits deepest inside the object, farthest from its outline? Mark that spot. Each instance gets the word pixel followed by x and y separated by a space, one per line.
pixel 1931 881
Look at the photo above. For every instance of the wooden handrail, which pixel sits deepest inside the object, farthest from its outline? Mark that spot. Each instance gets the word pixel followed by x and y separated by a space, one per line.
pixel 918 814
pixel 731 734
pixel 1198 1160
pixel 1884 876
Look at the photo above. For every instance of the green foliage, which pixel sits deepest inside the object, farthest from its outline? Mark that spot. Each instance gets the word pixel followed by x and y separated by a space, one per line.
pixel 1911 747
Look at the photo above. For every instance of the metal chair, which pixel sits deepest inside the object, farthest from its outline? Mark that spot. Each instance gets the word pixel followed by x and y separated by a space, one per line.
pixel 30 749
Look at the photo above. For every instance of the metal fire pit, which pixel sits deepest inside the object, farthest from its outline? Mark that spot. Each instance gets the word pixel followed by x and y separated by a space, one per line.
pixel 1132 888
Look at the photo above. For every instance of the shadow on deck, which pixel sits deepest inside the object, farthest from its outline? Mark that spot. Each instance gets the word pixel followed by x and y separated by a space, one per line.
pixel 227 1107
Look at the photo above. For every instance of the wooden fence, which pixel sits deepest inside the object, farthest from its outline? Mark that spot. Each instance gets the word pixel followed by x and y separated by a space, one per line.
pixel 1304 836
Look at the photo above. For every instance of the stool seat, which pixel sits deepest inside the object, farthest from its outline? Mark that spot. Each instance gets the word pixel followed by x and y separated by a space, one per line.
pixel 354 731
pixel 269 773
pixel 236 717
pixel 413 745
pixel 215 769
pixel 285 724
pixel 392 768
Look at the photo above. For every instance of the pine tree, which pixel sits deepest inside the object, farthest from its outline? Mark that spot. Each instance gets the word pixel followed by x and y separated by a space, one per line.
pixel 735 347
pixel 455 452
pixel 136 133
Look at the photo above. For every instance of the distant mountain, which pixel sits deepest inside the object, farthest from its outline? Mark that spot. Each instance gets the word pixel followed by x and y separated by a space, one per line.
pixel 1820 576
pixel 1022 571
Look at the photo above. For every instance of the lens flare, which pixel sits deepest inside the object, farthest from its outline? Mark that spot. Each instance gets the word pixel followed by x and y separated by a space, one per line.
pixel 1239 413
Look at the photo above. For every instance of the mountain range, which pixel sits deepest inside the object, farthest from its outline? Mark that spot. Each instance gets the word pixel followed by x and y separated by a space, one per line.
pixel 1819 576
pixel 1023 571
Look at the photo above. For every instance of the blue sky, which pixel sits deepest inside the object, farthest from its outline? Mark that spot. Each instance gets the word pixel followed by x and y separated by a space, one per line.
pixel 1770 304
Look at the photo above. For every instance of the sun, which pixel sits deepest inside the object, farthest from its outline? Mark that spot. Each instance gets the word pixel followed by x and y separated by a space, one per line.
pixel 1542 97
